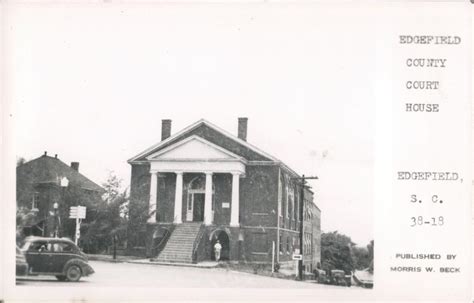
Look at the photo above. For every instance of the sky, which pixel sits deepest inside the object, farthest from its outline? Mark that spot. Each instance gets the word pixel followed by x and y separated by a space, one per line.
pixel 92 83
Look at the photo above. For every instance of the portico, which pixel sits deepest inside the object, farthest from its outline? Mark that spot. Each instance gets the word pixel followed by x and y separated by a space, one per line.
pixel 203 159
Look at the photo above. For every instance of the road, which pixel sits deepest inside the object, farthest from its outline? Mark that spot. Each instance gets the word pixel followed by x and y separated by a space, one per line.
pixel 146 275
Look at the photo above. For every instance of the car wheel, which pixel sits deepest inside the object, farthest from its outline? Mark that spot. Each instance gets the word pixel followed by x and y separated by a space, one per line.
pixel 61 278
pixel 73 273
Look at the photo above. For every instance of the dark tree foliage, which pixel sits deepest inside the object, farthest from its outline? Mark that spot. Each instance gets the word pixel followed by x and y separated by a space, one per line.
pixel 138 216
pixel 361 257
pixel 109 219
pixel 336 252
pixel 339 252
pixel 20 161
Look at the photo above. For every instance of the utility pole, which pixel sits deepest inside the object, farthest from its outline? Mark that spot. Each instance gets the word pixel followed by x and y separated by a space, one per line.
pixel 303 185
pixel 114 240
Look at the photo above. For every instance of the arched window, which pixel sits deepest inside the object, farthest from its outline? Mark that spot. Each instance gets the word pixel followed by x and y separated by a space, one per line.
pixel 197 184
pixel 196 190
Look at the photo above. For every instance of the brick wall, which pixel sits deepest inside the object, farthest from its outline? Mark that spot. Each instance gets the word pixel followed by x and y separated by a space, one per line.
pixel 258 196
pixel 252 242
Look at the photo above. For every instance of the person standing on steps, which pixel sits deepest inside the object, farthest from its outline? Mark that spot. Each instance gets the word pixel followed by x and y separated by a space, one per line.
pixel 217 250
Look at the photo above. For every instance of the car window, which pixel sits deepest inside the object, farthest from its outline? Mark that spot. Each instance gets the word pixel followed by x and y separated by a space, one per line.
pixel 67 247
pixel 62 247
pixel 38 246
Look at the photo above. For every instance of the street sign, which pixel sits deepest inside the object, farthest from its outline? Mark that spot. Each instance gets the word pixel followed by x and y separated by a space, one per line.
pixel 81 212
pixel 297 257
pixel 77 212
pixel 73 212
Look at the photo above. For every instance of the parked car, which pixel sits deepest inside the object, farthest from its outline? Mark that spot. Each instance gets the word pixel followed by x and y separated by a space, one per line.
pixel 333 277
pixel 364 278
pixel 58 257
pixel 21 264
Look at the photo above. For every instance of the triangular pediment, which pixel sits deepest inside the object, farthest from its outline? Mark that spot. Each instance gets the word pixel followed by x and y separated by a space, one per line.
pixel 209 132
pixel 193 148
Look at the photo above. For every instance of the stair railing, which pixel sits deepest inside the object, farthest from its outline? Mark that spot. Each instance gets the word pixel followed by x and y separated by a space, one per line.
pixel 157 247
pixel 197 241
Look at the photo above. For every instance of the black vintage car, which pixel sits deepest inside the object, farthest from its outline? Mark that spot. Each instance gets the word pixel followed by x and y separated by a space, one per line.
pixel 333 277
pixel 57 257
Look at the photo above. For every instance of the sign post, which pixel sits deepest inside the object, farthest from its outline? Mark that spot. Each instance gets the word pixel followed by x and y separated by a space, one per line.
pixel 301 211
pixel 78 213
pixel 273 256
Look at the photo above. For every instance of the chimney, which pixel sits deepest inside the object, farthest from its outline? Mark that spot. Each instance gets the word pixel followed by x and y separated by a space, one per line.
pixel 75 166
pixel 45 154
pixel 55 156
pixel 165 129
pixel 242 130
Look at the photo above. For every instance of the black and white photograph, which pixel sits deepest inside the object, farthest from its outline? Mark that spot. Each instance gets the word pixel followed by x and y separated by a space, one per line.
pixel 193 147
pixel 264 168
pixel 240 151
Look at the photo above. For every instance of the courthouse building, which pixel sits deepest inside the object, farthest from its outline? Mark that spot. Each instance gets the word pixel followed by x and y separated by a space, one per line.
pixel 203 184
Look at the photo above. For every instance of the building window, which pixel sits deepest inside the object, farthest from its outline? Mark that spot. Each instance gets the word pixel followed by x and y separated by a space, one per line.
pixel 308 244
pixel 305 211
pixel 280 194
pixel 296 206
pixel 291 204
pixel 35 201
pixel 288 249
pixel 280 244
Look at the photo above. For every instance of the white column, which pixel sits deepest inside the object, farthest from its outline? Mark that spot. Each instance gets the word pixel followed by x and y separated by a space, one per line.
pixel 178 198
pixel 153 196
pixel 234 211
pixel 208 200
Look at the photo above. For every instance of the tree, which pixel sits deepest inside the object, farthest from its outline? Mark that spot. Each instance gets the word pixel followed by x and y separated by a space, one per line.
pixel 20 161
pixel 112 187
pixel 361 257
pixel 24 217
pixel 336 252
pixel 109 219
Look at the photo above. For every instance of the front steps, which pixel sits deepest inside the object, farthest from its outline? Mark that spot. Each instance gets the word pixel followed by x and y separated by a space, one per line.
pixel 179 248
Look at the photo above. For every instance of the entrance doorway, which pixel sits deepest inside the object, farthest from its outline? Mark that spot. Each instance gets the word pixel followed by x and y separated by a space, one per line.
pixel 198 207
pixel 196 198
pixel 223 239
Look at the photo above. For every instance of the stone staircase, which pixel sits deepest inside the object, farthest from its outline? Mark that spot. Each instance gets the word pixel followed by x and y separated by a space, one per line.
pixel 179 248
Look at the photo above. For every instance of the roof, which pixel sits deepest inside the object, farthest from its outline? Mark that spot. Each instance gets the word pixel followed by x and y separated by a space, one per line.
pixel 48 170
pixel 38 238
pixel 218 136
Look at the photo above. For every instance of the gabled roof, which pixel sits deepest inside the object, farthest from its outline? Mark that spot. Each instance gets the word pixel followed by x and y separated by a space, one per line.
pixel 214 134
pixel 217 136
pixel 48 170
pixel 196 148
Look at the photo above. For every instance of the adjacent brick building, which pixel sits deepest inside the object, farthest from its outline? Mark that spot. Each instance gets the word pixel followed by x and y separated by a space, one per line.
pixel 203 184
pixel 38 188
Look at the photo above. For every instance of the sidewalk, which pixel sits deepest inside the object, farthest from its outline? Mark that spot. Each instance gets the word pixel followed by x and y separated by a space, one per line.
pixel 109 258
pixel 139 260
pixel 207 264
